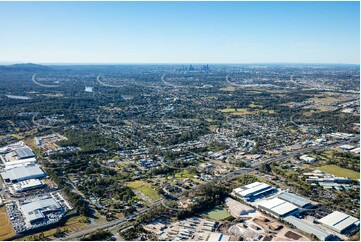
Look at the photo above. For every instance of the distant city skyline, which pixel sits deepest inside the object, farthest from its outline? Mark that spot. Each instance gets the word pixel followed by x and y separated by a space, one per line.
pixel 180 32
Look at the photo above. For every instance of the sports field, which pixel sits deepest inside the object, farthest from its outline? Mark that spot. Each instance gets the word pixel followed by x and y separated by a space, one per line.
pixel 218 213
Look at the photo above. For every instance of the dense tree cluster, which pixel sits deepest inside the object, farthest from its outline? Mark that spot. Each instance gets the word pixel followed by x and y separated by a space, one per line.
pixel 99 235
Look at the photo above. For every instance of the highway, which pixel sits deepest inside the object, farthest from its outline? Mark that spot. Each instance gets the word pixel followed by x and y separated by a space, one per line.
pixel 106 225
pixel 43 85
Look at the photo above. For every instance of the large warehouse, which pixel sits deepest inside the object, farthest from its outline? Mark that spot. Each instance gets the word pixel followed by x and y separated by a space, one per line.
pixel 340 222
pixel 26 185
pixel 24 153
pixel 21 173
pixel 38 209
pixel 277 207
pixel 253 191
pixel 295 200
pixel 17 163
pixel 308 228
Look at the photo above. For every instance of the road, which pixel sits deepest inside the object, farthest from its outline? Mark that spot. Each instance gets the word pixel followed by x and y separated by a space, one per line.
pixel 291 154
pixel 105 84
pixel 106 225
pixel 43 85
pixel 232 83
pixel 167 83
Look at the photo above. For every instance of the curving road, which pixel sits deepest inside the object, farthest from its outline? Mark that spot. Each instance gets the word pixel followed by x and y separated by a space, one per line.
pixel 110 85
pixel 43 85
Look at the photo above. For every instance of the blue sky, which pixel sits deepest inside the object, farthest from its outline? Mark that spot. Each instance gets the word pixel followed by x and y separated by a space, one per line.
pixel 180 32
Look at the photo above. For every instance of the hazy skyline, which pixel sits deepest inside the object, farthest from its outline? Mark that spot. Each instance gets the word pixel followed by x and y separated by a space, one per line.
pixel 180 32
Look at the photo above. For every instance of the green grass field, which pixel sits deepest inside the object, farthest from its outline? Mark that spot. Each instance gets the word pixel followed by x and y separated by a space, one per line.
pixel 218 213
pixel 339 171
pixel 185 174
pixel 145 188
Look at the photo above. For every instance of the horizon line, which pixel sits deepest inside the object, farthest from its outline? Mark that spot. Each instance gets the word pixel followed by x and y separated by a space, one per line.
pixel 169 63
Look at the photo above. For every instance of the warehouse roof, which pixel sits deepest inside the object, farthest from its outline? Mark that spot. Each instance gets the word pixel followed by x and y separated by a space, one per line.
pixel 23 172
pixel 27 184
pixel 34 210
pixel 25 152
pixel 307 227
pixel 218 237
pixel 338 221
pixel 294 199
pixel 249 189
pixel 16 163
pixel 278 206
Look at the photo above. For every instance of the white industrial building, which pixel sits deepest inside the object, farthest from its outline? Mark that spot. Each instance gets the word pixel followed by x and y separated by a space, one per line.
pixel 16 155
pixel 17 163
pixel 253 191
pixel 26 185
pixel 307 159
pixel 39 209
pixel 21 173
pixel 340 222
pixel 277 207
